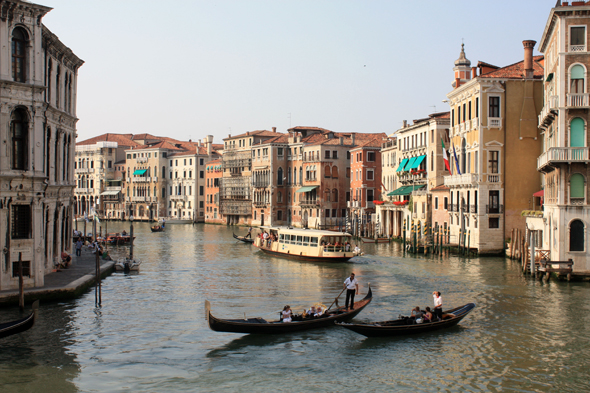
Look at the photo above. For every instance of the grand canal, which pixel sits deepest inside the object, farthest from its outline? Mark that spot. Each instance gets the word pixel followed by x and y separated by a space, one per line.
pixel 151 335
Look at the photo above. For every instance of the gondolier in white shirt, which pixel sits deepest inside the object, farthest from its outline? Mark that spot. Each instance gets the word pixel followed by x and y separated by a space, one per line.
pixel 437 304
pixel 352 286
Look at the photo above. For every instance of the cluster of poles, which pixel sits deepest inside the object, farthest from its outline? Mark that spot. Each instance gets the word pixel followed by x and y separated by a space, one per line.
pixel 429 240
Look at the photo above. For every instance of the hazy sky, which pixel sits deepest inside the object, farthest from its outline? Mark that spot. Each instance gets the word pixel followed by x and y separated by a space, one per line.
pixel 186 69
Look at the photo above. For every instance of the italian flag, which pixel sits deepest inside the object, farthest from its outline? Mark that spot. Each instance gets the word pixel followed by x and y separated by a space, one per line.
pixel 445 157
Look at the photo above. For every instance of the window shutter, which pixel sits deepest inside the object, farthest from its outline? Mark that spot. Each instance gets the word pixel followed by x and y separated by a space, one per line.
pixel 577 186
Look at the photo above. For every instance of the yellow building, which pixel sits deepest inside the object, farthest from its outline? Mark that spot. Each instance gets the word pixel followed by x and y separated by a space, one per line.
pixel 494 144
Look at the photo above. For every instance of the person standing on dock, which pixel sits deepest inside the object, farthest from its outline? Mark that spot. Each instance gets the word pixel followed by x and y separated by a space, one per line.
pixel 352 286
pixel 79 245
pixel 437 304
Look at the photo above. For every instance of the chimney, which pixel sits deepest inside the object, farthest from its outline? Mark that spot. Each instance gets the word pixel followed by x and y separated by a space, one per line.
pixel 528 58
pixel 341 140
pixel 457 82
pixel 199 143
pixel 209 144
pixel 352 137
pixel 274 129
pixel 405 124
pixel 473 72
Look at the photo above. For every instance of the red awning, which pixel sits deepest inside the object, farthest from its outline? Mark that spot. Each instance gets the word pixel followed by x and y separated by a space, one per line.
pixel 539 193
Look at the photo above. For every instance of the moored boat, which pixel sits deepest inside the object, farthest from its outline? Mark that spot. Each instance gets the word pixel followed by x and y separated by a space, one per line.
pixel 307 244
pixel 20 325
pixel 406 325
pixel 373 240
pixel 262 326
pixel 243 239
pixel 127 265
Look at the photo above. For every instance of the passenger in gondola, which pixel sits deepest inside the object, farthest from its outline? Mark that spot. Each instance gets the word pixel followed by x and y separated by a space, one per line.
pixel 287 313
pixel 311 312
pixel 124 233
pixel 428 315
pixel 319 312
pixel 417 315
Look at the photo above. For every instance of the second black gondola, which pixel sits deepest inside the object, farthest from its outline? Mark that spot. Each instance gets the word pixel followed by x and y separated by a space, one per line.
pixel 243 239
pixel 20 325
pixel 261 326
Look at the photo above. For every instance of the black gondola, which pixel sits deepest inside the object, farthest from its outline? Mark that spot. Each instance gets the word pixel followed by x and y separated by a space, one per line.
pixel 243 239
pixel 261 326
pixel 20 325
pixel 405 325
pixel 157 228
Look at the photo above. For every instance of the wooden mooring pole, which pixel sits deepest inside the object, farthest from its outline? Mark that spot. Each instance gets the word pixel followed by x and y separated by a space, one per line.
pixel 21 285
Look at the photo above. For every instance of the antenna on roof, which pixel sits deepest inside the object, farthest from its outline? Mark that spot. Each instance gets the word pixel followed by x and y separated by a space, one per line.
pixel 289 119
pixel 433 106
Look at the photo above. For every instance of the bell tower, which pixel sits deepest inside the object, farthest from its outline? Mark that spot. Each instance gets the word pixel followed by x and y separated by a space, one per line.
pixel 462 69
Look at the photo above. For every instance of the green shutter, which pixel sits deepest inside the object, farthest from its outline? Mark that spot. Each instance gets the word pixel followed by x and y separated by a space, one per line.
pixel 577 133
pixel 577 186
pixel 577 72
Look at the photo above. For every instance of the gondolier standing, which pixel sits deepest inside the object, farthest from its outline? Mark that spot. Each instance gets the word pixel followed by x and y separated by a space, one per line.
pixel 352 286
pixel 249 233
pixel 437 304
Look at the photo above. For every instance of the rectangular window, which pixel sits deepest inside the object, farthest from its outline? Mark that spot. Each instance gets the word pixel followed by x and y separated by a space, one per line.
pixel 578 35
pixel 201 204
pixel 494 164
pixel 371 156
pixel 464 112
pixel 335 154
pixel 201 190
pixel 280 154
pixel 327 213
pixel 202 174
pixel 436 203
pixel 494 107
pixel 327 154
pixel 348 172
pixel 494 222
pixel 370 174
pixel 494 202
pixel 369 195
pixel 453 118
pixel 21 222
pixel 446 203
pixel 477 107
pixel 26 269
pixel 163 192
pixel 109 164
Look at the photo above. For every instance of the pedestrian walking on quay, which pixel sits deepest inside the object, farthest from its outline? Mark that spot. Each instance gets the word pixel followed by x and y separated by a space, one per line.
pixel 79 245
pixel 352 286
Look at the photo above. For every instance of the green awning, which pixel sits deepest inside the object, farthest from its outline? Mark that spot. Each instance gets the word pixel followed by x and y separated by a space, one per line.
pixel 410 163
pixel 418 161
pixel 306 189
pixel 139 172
pixel 401 165
pixel 406 190
pixel 549 77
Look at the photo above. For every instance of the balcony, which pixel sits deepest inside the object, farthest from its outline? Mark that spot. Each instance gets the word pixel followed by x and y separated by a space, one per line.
pixel 494 209
pixel 547 113
pixel 494 178
pixel 178 197
pixel 578 48
pixel 453 207
pixel 473 209
pixel 261 184
pixel 311 179
pixel 467 179
pixel 83 190
pixel 494 122
pixel 578 100
pixel 141 199
pixel 260 203
pixel 556 155
pixel 309 202
pixel 142 179
pixel 84 170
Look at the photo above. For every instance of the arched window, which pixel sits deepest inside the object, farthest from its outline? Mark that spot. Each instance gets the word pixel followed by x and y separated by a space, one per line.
pixel 327 171
pixel 577 79
pixel 57 87
pixel 577 186
pixel 49 70
pixel 255 214
pixel 577 133
pixel 577 236
pixel 463 155
pixel 280 177
pixel 289 176
pixel 334 173
pixel 19 130
pixel 19 54
pixel 300 175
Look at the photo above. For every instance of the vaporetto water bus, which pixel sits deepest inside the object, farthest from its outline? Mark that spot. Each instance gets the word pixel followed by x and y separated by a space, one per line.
pixel 306 244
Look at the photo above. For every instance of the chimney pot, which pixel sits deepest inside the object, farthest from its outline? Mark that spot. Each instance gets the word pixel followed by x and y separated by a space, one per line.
pixel 274 129
pixel 473 72
pixel 405 123
pixel 528 58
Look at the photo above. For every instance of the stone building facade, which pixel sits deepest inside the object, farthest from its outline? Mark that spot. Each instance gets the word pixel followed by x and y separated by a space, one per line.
pixel 38 79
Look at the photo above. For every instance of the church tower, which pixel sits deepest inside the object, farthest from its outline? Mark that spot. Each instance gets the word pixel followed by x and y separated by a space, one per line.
pixel 462 69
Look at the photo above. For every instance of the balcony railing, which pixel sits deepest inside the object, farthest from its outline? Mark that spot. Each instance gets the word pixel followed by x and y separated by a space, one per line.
pixel 178 197
pixel 493 178
pixel 453 207
pixel 473 209
pixel 562 155
pixel 84 170
pixel 83 190
pixel 461 180
pixel 578 48
pixel 494 209
pixel 141 199
pixel 309 202
pixel 261 184
pixel 494 122
pixel 142 179
pixel 551 105
pixel 578 100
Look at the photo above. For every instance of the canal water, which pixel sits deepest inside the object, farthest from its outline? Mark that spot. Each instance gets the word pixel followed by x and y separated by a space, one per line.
pixel 150 335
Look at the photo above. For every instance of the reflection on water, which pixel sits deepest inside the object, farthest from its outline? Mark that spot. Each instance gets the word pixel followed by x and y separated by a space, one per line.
pixel 151 333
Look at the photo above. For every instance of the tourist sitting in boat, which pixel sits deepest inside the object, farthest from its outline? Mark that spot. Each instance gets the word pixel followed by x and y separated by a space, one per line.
pixel 417 315
pixel 124 233
pixel 311 312
pixel 287 313
pixel 428 315
pixel 319 312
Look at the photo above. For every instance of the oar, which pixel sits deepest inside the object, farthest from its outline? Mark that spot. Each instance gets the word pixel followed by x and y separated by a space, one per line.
pixel 335 300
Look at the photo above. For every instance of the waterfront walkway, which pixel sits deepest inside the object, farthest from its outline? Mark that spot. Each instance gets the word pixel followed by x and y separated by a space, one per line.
pixel 64 284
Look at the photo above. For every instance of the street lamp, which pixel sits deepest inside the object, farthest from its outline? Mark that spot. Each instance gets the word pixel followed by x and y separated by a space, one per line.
pixel 131 236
